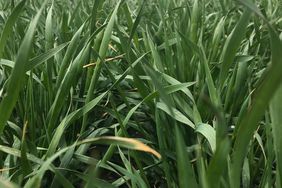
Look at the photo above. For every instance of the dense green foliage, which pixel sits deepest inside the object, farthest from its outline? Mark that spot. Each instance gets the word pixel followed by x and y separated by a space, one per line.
pixel 92 93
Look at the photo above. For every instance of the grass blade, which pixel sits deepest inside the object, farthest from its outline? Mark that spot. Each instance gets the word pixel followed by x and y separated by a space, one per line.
pixel 261 97
pixel 186 174
pixel 232 44
pixel 15 83
pixel 276 119
pixel 7 30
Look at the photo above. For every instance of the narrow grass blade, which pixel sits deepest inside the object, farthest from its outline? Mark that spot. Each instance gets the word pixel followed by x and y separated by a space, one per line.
pixel 276 119
pixel 7 30
pixel 32 63
pixel 102 53
pixel 261 97
pixel 177 115
pixel 70 78
pixel 168 90
pixel 36 61
pixel 232 44
pixel 129 143
pixel 69 55
pixel 209 133
pixel 49 37
pixel 25 165
pixel 186 174
pixel 68 120
pixel 16 79
pixel 195 21
pixel 210 82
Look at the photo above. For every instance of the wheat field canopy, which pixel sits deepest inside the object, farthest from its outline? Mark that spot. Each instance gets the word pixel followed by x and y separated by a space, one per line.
pixel 127 93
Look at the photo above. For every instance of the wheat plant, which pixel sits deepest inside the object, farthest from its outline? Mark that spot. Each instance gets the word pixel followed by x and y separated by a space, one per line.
pixel 127 93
